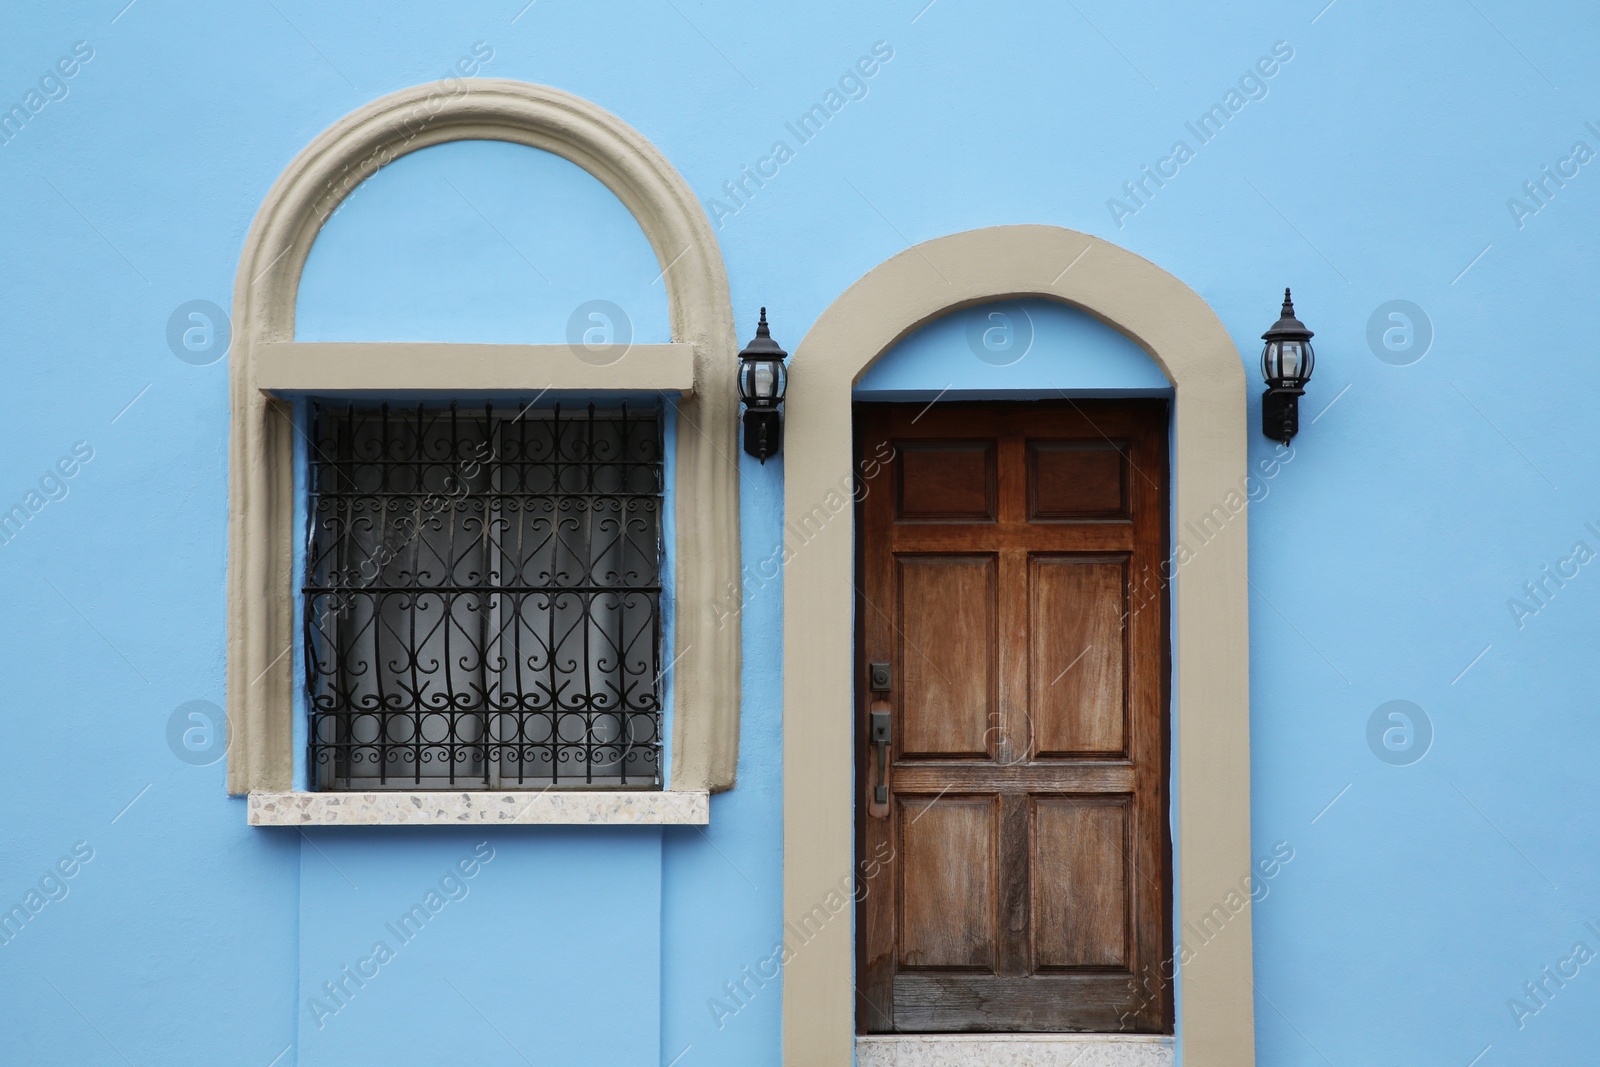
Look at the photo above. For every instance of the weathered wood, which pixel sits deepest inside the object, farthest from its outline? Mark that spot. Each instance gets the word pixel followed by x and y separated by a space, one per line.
pixel 944 481
pixel 949 846
pixel 1077 480
pixel 1010 574
pixel 946 1003
pixel 1080 913
pixel 1079 697
pixel 945 654
pixel 1052 776
pixel 1091 536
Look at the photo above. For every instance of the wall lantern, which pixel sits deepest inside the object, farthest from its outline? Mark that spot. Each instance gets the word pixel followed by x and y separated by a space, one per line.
pixel 762 379
pixel 1286 364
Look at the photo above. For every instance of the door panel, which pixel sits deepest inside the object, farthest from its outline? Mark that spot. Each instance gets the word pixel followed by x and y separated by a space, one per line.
pixel 1009 574
pixel 946 644
pixel 946 481
pixel 948 847
pixel 1079 695
pixel 1077 480
pixel 1080 916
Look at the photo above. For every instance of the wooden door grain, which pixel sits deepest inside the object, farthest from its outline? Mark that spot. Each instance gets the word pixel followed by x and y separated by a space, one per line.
pixel 1010 574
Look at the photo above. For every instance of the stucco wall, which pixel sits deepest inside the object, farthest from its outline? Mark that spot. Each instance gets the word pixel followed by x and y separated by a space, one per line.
pixel 1431 484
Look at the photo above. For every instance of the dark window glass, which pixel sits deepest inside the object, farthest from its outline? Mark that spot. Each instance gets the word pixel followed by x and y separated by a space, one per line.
pixel 483 597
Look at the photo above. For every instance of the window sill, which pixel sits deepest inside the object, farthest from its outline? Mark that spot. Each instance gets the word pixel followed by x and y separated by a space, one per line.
pixel 1014 1050
pixel 548 808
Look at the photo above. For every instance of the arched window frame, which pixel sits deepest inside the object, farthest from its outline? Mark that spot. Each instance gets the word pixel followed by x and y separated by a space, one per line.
pixel 267 364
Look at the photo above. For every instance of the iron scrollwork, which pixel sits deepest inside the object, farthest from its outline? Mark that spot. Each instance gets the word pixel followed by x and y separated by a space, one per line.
pixel 482 604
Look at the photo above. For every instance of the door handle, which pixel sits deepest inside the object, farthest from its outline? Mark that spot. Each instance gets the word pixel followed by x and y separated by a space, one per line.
pixel 878 735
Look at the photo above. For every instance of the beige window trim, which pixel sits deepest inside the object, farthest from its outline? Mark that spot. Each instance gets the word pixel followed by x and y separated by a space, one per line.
pixel 699 363
pixel 1211 705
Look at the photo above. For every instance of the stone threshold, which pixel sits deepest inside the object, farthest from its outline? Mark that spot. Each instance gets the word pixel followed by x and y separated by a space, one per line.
pixel 1014 1050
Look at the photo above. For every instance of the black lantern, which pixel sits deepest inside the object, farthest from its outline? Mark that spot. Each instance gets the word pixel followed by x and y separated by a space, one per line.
pixel 762 379
pixel 1286 364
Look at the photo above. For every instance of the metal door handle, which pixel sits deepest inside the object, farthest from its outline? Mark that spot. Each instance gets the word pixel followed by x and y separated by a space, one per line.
pixel 878 736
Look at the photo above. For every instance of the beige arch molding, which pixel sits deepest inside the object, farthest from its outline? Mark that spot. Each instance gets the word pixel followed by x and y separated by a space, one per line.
pixel 261 626
pixel 1210 641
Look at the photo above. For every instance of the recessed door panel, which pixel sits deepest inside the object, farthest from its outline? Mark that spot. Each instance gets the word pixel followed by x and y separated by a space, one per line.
pixel 1077 480
pixel 1080 889
pixel 947 889
pixel 946 481
pixel 946 654
pixel 1077 610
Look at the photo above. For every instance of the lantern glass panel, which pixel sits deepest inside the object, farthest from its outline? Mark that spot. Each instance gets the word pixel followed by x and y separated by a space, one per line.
pixel 1290 360
pixel 764 380
pixel 1286 363
pixel 761 381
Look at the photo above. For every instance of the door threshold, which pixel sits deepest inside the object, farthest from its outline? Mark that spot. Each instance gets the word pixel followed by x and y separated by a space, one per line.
pixel 1014 1050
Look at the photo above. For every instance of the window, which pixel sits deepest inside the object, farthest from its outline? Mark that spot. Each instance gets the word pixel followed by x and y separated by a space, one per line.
pixel 482 603
pixel 270 369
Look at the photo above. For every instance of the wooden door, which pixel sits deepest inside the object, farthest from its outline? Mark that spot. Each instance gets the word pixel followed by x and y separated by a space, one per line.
pixel 1015 865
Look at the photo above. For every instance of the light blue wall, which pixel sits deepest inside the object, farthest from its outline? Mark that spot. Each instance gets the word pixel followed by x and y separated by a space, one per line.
pixel 1421 498
pixel 481 241
pixel 1015 349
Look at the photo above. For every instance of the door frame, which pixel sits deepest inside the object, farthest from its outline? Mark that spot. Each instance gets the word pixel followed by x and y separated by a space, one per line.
pixel 1210 707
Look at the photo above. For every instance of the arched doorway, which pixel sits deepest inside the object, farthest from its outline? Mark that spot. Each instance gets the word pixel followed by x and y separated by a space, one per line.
pixel 1210 674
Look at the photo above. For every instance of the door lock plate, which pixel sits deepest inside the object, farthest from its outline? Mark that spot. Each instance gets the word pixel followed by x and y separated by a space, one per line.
pixel 878 677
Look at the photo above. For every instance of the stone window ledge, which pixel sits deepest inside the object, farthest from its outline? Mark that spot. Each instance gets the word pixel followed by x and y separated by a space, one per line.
pixel 1014 1050
pixel 548 808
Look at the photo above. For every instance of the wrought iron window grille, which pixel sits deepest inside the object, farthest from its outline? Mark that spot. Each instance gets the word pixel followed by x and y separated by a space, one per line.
pixel 482 600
